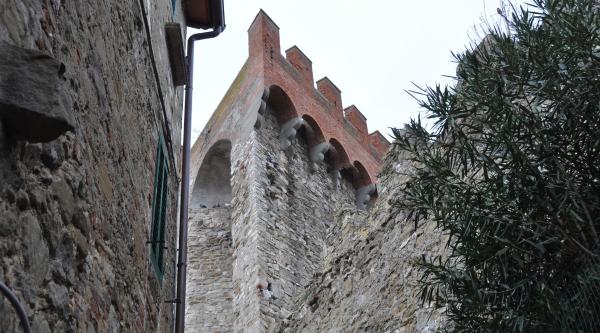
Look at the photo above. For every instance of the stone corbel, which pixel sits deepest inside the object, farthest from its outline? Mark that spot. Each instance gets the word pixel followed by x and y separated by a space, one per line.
pixel 363 195
pixel 289 131
pixel 34 105
pixel 261 108
pixel 337 175
pixel 317 152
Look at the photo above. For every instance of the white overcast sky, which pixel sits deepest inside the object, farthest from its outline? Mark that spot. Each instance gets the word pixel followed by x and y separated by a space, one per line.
pixel 372 50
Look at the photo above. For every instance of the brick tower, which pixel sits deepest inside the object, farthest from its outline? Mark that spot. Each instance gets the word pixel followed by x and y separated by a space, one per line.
pixel 274 164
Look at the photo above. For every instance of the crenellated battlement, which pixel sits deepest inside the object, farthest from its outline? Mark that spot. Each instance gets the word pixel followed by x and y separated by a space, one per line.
pixel 293 74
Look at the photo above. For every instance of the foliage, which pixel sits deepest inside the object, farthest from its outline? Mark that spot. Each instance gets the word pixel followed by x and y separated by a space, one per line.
pixel 511 173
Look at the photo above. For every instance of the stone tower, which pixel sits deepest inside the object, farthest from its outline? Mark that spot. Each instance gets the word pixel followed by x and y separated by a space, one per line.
pixel 276 162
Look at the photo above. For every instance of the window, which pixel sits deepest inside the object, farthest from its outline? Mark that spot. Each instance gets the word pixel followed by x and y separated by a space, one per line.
pixel 159 210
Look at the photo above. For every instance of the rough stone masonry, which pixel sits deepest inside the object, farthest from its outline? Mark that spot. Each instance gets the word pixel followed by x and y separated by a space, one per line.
pixel 85 94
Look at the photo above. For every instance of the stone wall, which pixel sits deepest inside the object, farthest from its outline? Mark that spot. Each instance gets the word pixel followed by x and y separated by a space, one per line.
pixel 245 234
pixel 209 290
pixel 369 285
pixel 296 202
pixel 75 212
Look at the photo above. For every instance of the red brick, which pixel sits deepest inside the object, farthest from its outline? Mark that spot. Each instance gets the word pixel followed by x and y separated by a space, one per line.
pixel 302 64
pixel 291 79
pixel 379 142
pixel 359 121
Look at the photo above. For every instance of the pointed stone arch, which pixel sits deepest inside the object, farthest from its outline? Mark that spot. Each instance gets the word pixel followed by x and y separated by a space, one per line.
pixel 361 177
pixel 312 131
pixel 366 190
pixel 212 187
pixel 337 156
pixel 312 134
pixel 280 104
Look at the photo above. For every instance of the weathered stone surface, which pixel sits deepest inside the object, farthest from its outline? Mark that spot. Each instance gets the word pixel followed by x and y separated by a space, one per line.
pixel 3 143
pixel 64 197
pixel 40 326
pixel 36 250
pixel 281 208
pixel 76 212
pixel 209 295
pixel 22 200
pixel 369 282
pixel 58 295
pixel 33 104
pixel 52 155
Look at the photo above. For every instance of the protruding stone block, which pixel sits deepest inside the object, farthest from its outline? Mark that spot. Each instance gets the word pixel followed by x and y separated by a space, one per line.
pixel 363 195
pixel 317 152
pixel 33 105
pixel 262 106
pixel 288 131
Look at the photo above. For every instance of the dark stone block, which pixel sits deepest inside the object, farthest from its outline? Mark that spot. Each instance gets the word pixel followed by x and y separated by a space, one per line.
pixel 33 105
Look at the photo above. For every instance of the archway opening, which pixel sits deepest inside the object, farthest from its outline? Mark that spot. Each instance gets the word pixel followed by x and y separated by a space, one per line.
pixel 337 158
pixel 212 187
pixel 311 131
pixel 361 177
pixel 280 104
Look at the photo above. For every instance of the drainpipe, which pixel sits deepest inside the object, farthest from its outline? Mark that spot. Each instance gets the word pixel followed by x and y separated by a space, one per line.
pixel 185 178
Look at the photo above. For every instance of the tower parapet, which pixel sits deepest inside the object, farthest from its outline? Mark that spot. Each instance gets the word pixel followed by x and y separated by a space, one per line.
pixel 293 74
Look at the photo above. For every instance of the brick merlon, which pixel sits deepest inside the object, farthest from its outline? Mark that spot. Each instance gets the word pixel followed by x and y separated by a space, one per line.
pixel 302 63
pixel 263 16
pixel 333 94
pixel 379 142
pixel 264 36
pixel 358 121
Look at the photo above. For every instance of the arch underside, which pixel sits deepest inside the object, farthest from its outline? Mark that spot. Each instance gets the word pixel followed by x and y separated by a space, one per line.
pixel 212 187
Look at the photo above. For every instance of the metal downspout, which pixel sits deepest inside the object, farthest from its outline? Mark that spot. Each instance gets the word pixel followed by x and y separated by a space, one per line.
pixel 185 178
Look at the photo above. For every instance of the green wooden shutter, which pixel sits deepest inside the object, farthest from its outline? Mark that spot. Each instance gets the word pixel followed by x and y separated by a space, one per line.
pixel 159 210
